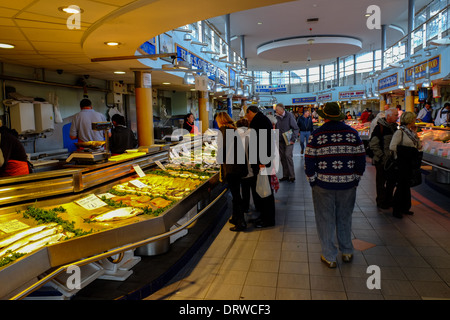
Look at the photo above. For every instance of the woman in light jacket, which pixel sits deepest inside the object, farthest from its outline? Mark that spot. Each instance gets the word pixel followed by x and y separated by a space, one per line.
pixel 408 160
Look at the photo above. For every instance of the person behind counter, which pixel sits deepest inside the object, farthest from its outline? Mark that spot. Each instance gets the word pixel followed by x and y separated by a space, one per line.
pixel 81 127
pixel 443 116
pixel 13 158
pixel 189 124
pixel 122 138
pixel 425 114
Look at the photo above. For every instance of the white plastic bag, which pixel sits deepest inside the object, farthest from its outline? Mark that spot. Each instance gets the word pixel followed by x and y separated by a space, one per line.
pixel 263 185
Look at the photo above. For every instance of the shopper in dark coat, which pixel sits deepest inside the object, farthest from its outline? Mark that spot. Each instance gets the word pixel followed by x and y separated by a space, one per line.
pixel 406 146
pixel 379 144
pixel 233 168
pixel 122 138
pixel 261 125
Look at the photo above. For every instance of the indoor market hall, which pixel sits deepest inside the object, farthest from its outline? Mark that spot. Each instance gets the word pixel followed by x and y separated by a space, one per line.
pixel 283 262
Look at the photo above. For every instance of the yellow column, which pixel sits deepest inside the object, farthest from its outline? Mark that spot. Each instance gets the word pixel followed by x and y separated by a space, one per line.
pixel 144 108
pixel 202 109
pixel 409 101
pixel 382 102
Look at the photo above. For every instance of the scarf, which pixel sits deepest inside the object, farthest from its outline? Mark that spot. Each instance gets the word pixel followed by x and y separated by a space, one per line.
pixel 411 135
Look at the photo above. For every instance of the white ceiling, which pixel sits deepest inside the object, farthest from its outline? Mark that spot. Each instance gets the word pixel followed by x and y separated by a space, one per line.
pixel 336 17
pixel 39 31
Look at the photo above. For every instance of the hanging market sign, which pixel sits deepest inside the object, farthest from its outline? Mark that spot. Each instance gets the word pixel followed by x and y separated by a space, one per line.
pixel 388 82
pixel 304 100
pixel 148 47
pixel 231 77
pixel 324 97
pixel 276 88
pixel 420 70
pixel 211 70
pixel 351 94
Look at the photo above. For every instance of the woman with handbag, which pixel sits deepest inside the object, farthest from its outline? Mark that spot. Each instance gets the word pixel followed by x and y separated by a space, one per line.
pixel 232 167
pixel 406 147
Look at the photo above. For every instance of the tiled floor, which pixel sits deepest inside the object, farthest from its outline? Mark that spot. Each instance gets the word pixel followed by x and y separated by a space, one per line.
pixel 283 262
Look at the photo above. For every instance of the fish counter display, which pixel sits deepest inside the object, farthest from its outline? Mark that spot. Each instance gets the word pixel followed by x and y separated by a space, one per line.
pixel 126 212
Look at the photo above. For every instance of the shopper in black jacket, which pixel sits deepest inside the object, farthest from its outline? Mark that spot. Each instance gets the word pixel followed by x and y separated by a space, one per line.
pixel 122 138
pixel 233 168
pixel 262 126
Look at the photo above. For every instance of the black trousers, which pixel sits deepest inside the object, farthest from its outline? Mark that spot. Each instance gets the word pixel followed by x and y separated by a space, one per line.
pixel 266 205
pixel 384 185
pixel 402 197
pixel 234 184
pixel 248 187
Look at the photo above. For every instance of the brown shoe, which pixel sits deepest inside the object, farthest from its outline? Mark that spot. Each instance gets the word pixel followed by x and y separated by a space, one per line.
pixel 330 264
pixel 347 257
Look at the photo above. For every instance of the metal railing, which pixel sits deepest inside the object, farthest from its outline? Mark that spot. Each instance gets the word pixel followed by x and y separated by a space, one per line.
pixel 113 252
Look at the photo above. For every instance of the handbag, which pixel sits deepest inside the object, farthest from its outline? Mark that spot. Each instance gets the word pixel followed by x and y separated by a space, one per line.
pixel 263 185
pixel 412 159
pixel 391 165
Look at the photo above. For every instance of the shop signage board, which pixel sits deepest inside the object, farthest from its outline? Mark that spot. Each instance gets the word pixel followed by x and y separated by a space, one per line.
pixel 420 70
pixel 304 100
pixel 198 63
pixel 275 88
pixel 231 77
pixel 345 95
pixel 149 47
pixel 324 97
pixel 388 82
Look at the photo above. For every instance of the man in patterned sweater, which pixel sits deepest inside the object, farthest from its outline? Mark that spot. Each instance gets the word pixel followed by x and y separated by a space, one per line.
pixel 335 161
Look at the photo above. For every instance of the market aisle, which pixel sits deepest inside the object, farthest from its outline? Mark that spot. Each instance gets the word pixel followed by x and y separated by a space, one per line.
pixel 283 262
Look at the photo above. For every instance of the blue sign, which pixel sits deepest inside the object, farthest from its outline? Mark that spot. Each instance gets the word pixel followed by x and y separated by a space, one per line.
pixel 304 100
pixel 149 47
pixel 388 82
pixel 420 70
pixel 198 63
pixel 276 88
pixel 231 77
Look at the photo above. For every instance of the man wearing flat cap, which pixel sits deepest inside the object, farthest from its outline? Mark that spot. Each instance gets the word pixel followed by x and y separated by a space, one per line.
pixel 335 161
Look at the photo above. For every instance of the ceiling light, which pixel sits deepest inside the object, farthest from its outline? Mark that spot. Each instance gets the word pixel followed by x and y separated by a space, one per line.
pixel 71 9
pixel 259 22
pixel 112 43
pixel 6 46
pixel 166 83
pixel 119 72
pixel 187 37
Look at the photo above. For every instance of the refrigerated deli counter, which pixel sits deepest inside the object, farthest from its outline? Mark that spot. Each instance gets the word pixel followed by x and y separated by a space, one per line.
pixel 436 150
pixel 58 218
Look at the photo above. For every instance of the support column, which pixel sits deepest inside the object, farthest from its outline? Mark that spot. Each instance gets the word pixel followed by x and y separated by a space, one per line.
pixel 144 107
pixel 230 58
pixel 203 111
pixel 409 101
pixel 411 13
pixel 383 44
pixel 382 102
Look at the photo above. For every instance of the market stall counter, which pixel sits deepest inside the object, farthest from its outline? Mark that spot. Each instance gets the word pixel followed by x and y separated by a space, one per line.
pixel 111 212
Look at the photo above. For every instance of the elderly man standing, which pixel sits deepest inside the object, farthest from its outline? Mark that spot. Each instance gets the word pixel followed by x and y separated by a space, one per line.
pixel 335 161
pixel 379 143
pixel 288 132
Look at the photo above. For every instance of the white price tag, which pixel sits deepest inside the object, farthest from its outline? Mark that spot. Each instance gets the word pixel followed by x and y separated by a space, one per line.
pixel 159 164
pixel 138 170
pixel 433 151
pixel 138 184
pixel 91 202
pixel 440 151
